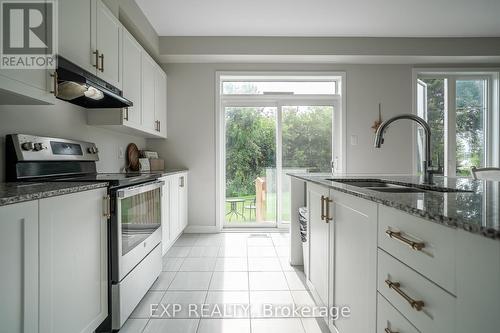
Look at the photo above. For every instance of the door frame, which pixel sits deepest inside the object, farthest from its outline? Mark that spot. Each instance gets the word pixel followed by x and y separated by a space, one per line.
pixel 275 100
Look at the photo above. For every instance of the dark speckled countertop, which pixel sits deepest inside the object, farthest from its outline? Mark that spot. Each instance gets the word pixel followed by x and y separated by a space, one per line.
pixel 11 193
pixel 477 211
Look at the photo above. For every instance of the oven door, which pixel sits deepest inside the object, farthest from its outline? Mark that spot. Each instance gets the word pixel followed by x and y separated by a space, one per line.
pixel 138 227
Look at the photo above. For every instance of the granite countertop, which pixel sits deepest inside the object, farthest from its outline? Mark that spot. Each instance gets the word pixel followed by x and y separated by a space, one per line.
pixel 477 211
pixel 11 193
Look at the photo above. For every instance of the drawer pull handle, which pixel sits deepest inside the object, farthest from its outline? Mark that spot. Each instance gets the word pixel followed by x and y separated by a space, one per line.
pixel 418 246
pixel 396 286
pixel 388 330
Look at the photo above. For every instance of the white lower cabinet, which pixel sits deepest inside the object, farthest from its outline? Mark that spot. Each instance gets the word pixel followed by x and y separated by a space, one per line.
pixel 19 273
pixel 73 262
pixel 53 254
pixel 174 208
pixel 319 240
pixel 397 272
pixel 354 262
pixel 390 320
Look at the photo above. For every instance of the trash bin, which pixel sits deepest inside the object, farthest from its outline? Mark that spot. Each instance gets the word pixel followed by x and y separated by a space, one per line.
pixel 303 221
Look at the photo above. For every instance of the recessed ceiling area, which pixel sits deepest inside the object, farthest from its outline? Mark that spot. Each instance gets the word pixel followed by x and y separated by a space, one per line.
pixel 335 18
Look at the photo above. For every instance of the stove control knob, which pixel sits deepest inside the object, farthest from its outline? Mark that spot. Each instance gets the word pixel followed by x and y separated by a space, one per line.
pixel 38 146
pixel 89 150
pixel 27 146
pixel 96 150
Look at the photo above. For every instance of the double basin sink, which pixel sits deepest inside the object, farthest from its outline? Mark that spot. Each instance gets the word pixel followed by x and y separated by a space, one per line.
pixel 380 185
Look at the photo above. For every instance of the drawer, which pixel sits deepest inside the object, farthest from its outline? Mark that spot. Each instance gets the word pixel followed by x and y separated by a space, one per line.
pixel 436 260
pixel 389 320
pixel 437 312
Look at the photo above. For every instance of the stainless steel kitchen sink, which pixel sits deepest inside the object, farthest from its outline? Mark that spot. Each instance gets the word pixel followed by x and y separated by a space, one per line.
pixel 381 185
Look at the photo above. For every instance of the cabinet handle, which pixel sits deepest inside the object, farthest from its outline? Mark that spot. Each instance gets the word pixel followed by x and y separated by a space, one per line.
pixel 96 53
pixel 388 330
pixel 125 114
pixel 107 207
pixel 396 286
pixel 327 214
pixel 417 246
pixel 55 89
pixel 322 208
pixel 181 181
pixel 159 126
pixel 102 62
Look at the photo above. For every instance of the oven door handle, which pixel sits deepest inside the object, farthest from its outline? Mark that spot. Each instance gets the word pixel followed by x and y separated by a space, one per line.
pixel 134 190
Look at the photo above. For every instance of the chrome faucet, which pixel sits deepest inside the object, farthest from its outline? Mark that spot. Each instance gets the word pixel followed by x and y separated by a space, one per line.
pixel 427 163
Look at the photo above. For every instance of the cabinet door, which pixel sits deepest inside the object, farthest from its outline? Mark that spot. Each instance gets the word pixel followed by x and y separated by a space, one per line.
pixel 183 201
pixel 161 101
pixel 355 258
pixel 148 92
pixel 19 273
pixel 165 216
pixel 174 207
pixel 76 32
pixel 319 236
pixel 132 52
pixel 73 262
pixel 108 36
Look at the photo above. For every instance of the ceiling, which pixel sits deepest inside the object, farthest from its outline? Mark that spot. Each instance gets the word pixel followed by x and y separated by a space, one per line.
pixel 368 18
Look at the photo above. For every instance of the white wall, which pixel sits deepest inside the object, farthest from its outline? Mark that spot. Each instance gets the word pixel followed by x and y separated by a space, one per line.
pixel 191 123
pixel 63 120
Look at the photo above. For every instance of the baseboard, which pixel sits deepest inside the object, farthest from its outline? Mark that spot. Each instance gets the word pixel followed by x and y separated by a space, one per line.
pixel 201 229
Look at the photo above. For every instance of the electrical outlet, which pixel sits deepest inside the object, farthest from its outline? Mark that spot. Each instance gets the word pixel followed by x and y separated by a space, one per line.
pixel 354 140
pixel 121 153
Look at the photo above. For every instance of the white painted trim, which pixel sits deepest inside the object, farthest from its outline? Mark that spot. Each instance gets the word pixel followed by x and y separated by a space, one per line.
pixel 201 229
pixel 335 100
pixel 491 74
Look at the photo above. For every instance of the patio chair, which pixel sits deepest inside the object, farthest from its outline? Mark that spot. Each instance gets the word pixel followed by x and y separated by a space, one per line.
pixel 486 173
pixel 252 207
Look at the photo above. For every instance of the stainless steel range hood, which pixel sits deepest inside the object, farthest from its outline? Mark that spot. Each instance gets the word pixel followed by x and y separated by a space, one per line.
pixel 77 86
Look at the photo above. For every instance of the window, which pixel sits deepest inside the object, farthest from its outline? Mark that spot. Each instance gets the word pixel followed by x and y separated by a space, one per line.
pixel 460 111
pixel 271 125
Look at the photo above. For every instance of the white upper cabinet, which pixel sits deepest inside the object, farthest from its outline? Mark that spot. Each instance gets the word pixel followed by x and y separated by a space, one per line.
pixel 148 92
pixel 161 101
pixel 132 53
pixel 77 32
pixel 108 32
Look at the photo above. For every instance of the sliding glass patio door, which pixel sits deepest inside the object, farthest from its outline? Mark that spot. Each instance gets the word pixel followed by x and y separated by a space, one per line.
pixel 265 140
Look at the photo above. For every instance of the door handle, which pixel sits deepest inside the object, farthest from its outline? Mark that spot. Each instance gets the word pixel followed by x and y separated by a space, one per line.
pixel 96 53
pixel 102 62
pixel 107 207
pixel 327 214
pixel 322 208
pixel 55 89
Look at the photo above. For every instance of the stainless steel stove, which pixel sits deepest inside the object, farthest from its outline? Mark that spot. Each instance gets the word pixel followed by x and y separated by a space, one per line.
pixel 134 231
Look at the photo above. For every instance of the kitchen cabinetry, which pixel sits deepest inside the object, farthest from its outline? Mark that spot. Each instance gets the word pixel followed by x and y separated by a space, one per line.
pixel 319 240
pixel 174 208
pixel 145 84
pixel 398 272
pixel 160 101
pixel 73 262
pixel 354 253
pixel 90 36
pixel 53 254
pixel 19 273
pixel 108 40
pixel 132 53
pixel 148 92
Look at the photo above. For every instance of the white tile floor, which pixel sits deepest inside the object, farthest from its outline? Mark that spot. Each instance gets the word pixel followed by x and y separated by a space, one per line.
pixel 246 269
